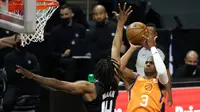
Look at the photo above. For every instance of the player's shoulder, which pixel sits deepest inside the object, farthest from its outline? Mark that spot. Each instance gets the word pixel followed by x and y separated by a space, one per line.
pixel 139 77
pixel 98 84
pixel 155 81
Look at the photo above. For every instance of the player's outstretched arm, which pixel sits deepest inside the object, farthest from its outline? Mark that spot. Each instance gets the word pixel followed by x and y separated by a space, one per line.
pixel 79 87
pixel 117 41
pixel 125 58
pixel 7 42
pixel 159 64
pixel 128 74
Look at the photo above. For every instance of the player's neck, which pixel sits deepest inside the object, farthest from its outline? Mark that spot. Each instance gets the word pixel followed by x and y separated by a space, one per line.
pixel 149 76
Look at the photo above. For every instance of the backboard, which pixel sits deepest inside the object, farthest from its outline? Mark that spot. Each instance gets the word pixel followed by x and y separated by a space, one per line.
pixel 21 22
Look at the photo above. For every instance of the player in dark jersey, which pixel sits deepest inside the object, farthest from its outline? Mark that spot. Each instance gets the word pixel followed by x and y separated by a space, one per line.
pixel 106 87
pixel 101 95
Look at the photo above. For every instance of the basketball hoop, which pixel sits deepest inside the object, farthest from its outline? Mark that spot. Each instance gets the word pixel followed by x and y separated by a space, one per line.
pixel 45 9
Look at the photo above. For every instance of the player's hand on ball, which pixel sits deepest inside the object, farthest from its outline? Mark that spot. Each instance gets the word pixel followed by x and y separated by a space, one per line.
pixel 134 46
pixel 150 41
pixel 151 34
pixel 24 72
pixel 152 31
pixel 123 14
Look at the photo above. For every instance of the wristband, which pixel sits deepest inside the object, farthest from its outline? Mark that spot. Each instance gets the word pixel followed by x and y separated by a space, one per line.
pixel 154 50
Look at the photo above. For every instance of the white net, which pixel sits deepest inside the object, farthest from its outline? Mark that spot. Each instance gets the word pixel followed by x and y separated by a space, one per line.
pixel 41 19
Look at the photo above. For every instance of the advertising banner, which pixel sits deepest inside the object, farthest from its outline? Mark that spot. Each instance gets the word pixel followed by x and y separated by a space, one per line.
pixel 184 100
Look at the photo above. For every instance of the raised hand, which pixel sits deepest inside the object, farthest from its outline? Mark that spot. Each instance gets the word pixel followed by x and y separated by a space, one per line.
pixel 152 32
pixel 150 38
pixel 149 42
pixel 123 13
pixel 134 46
pixel 24 72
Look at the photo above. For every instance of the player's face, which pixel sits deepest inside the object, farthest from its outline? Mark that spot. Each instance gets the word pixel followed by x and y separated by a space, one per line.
pixel 153 33
pixel 99 15
pixel 65 13
pixel 149 68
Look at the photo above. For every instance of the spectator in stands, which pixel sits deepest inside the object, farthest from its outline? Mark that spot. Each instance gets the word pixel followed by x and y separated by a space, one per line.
pixel 62 40
pixel 65 35
pixel 17 86
pixel 6 43
pixel 190 68
pixel 78 16
pixel 101 34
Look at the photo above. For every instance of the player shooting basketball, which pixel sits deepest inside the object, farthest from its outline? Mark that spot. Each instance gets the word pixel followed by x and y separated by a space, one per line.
pixel 145 92
pixel 103 92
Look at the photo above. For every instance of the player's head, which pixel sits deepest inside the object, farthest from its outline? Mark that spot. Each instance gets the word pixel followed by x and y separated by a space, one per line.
pixel 99 13
pixel 152 31
pixel 191 58
pixel 66 12
pixel 106 71
pixel 149 68
pixel 153 26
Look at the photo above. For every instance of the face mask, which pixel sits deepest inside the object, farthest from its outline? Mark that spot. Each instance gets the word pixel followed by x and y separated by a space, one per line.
pixel 101 23
pixel 190 68
pixel 65 21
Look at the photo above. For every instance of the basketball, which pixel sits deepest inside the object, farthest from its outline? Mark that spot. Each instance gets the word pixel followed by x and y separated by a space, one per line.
pixel 135 31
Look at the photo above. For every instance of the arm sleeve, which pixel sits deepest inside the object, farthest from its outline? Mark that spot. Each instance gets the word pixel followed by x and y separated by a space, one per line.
pixel 160 66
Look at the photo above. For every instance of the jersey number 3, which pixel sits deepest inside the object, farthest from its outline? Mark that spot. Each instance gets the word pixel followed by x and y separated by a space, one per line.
pixel 145 99
pixel 107 106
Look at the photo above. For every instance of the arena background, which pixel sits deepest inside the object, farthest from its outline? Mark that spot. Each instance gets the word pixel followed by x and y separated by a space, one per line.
pixel 178 27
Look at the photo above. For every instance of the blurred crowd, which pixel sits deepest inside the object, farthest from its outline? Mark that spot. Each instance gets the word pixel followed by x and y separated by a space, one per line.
pixel 71 49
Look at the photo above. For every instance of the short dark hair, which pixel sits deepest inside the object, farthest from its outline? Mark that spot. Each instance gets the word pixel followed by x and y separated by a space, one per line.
pixel 64 6
pixel 105 71
pixel 151 25
pixel 150 57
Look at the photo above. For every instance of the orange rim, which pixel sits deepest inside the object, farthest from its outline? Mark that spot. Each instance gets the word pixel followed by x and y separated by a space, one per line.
pixel 18 4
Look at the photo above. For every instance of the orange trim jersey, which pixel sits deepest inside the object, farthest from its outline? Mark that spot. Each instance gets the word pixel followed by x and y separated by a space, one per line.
pixel 145 96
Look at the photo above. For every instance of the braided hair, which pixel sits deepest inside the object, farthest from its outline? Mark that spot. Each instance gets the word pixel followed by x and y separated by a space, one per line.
pixel 105 72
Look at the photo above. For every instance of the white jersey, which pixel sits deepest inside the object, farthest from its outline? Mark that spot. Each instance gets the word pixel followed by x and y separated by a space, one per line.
pixel 142 56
